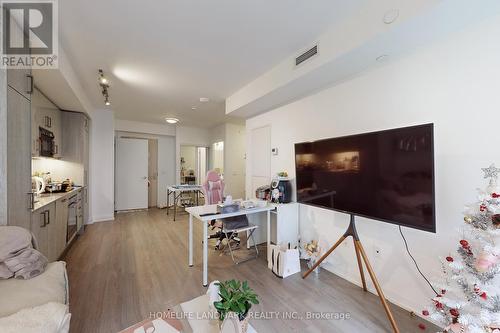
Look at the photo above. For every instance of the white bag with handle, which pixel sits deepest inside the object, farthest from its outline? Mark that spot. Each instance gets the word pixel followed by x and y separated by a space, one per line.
pixel 283 261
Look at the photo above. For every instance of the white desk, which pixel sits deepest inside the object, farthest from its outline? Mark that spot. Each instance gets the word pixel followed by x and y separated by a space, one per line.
pixel 208 213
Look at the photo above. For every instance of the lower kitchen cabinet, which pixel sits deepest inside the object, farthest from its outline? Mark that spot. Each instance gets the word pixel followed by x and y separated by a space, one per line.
pixel 49 225
pixel 40 221
pixel 59 230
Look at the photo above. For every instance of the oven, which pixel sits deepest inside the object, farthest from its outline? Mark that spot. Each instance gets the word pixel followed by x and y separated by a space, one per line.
pixel 47 145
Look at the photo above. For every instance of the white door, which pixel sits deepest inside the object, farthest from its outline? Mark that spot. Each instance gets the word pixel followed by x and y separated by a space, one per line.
pixel 131 174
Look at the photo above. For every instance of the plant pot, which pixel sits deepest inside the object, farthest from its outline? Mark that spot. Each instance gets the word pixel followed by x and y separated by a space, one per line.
pixel 241 320
pixel 311 263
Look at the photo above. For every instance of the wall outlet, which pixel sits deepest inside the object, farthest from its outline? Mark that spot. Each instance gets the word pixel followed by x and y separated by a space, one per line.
pixel 274 151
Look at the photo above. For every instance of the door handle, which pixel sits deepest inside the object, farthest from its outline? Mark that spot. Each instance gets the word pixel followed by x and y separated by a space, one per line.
pixel 31 84
pixel 48 217
pixel 44 223
pixel 31 197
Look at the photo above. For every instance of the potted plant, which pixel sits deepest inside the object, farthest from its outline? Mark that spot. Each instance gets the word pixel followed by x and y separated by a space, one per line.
pixel 312 254
pixel 236 297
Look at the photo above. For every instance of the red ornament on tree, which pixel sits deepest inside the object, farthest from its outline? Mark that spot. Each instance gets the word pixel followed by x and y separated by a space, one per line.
pixel 425 313
pixel 483 295
pixel 454 312
pixel 449 259
pixel 482 208
pixel 495 195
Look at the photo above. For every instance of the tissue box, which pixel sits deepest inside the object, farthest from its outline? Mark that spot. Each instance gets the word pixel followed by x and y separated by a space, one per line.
pixel 230 208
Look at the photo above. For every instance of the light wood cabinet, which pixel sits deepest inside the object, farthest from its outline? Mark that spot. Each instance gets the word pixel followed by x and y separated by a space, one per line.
pixel 19 198
pixel 75 135
pixel 39 228
pixel 21 80
pixel 59 231
pixel 46 115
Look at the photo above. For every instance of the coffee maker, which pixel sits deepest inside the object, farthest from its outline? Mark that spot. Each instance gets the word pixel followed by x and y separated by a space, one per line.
pixel 281 190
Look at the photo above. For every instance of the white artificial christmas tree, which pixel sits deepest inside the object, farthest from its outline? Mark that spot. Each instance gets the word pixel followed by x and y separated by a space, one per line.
pixel 469 291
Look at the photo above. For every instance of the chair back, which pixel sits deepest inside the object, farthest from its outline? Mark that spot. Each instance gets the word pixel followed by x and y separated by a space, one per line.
pixel 213 188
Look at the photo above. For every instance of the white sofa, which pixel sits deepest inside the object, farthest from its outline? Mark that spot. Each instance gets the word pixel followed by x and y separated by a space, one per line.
pixel 39 304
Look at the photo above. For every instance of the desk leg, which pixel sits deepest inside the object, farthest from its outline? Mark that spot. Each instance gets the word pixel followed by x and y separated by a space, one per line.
pixel 268 234
pixel 175 205
pixel 190 246
pixel 248 240
pixel 168 203
pixel 205 253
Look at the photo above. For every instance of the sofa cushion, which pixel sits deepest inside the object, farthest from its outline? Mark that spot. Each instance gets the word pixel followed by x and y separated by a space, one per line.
pixel 51 286
pixel 47 318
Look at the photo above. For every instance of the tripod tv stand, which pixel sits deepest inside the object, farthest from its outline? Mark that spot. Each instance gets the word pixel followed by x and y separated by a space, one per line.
pixel 360 254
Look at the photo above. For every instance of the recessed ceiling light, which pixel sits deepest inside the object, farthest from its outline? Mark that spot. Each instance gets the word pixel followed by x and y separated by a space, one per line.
pixel 390 16
pixel 193 108
pixel 204 99
pixel 172 120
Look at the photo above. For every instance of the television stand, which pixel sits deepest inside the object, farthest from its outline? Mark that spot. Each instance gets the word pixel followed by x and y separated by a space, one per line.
pixel 360 254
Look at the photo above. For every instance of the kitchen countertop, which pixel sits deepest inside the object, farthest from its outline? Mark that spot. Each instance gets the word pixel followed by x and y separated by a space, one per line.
pixel 48 198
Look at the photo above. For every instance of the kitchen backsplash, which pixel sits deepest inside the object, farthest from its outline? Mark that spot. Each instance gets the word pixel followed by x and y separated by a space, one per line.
pixel 59 169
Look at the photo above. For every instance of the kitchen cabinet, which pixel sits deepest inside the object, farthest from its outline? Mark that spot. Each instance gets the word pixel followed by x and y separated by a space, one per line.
pixel 21 80
pixel 40 225
pixel 79 210
pixel 20 197
pixel 75 134
pixel 46 115
pixel 59 231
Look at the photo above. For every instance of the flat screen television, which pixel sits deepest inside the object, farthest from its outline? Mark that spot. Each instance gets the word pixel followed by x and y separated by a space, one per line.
pixel 386 175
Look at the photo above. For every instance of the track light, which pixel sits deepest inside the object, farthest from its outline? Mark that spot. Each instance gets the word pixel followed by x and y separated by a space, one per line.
pixel 104 84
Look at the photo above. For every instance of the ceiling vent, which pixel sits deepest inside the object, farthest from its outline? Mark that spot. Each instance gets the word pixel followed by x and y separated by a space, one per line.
pixel 306 55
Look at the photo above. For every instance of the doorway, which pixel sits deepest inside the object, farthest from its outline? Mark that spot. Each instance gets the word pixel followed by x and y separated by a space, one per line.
pixel 218 157
pixel 141 170
pixel 131 173
pixel 194 164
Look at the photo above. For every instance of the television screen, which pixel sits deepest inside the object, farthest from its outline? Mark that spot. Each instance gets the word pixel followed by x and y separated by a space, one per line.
pixel 386 175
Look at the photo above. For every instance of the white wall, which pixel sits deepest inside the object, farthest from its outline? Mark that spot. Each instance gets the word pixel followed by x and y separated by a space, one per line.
pixel 102 160
pixel 455 85
pixel 234 160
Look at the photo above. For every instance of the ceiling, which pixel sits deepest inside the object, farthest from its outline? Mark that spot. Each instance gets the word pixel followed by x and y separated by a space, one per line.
pixel 162 56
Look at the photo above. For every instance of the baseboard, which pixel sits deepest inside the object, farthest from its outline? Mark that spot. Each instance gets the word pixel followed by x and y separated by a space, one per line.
pixel 104 219
pixel 372 290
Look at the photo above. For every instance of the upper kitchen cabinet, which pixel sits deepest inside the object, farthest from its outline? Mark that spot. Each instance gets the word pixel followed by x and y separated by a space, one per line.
pixel 21 80
pixel 75 134
pixel 46 122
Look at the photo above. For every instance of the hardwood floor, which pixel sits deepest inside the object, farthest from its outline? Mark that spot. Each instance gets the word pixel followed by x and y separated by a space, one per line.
pixel 121 271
